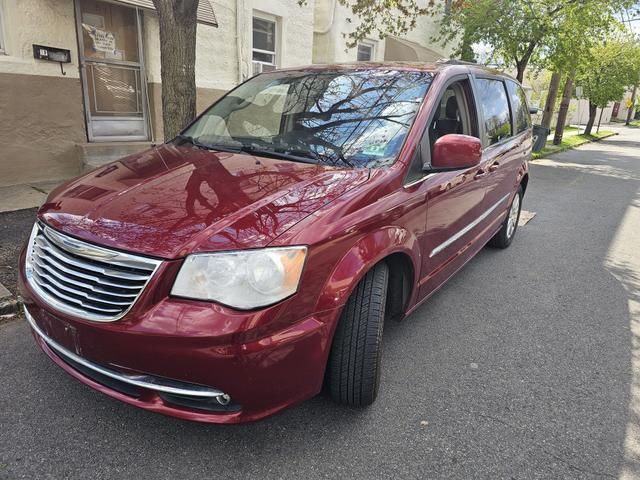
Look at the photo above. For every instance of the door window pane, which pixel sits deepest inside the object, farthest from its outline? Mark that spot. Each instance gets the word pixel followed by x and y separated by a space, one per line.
pixel 365 53
pixel 109 31
pixel 264 40
pixel 114 90
pixel 495 110
pixel 520 108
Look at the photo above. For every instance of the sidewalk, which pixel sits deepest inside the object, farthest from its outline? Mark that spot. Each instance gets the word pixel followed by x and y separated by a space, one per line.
pixel 14 230
pixel 18 197
pixel 573 137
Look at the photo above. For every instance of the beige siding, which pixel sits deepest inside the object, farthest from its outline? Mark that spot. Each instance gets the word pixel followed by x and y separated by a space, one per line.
pixel 42 121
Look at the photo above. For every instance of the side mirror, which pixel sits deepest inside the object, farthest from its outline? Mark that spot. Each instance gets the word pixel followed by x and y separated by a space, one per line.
pixel 534 110
pixel 455 152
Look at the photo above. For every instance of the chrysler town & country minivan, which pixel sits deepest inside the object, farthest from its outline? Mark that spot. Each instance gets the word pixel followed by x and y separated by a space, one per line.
pixel 243 265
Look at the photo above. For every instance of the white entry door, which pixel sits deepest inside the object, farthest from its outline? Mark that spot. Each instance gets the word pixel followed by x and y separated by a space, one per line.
pixel 112 71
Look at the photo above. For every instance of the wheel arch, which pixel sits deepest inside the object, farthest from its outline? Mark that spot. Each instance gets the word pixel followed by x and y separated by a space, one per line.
pixel 401 284
pixel 395 245
pixel 524 182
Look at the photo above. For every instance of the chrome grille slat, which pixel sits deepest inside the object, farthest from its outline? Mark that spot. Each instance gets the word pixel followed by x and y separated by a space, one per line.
pixel 88 277
pixel 91 282
pixel 78 302
pixel 87 266
pixel 98 254
pixel 68 279
pixel 77 292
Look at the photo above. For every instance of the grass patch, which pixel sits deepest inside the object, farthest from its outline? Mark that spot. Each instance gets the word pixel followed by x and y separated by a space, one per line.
pixel 570 141
pixel 635 124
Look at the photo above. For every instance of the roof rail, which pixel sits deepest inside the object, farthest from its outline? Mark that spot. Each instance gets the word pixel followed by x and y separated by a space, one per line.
pixel 453 61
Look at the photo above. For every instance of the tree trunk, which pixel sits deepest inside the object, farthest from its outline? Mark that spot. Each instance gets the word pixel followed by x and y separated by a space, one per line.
pixel 521 67
pixel 592 118
pixel 633 104
pixel 177 20
pixel 550 104
pixel 521 64
pixel 599 120
pixel 564 108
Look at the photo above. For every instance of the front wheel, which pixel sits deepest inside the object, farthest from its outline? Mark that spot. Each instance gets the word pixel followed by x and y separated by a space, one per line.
pixel 353 371
pixel 505 235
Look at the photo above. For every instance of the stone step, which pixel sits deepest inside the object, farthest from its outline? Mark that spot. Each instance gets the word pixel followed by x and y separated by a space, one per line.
pixel 94 155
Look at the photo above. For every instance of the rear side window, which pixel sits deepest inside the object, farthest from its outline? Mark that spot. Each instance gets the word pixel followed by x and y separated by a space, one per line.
pixel 495 110
pixel 519 105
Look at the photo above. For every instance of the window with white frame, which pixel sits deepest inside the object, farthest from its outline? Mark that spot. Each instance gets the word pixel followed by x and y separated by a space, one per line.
pixel 365 52
pixel 265 39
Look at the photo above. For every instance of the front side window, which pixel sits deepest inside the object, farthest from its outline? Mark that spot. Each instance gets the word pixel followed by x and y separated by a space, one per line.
pixel 495 110
pixel 343 118
pixel 365 52
pixel 520 109
pixel 264 41
pixel 453 114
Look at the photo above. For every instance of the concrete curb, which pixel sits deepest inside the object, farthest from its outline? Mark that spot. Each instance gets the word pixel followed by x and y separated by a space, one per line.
pixel 8 303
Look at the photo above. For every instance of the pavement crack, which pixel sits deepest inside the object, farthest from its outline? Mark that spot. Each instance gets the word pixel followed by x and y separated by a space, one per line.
pixel 576 467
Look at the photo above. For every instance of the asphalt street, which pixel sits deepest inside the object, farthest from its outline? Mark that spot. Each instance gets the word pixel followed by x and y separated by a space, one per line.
pixel 525 365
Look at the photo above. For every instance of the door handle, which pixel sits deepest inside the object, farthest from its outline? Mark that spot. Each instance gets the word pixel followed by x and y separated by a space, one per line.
pixel 480 174
pixel 494 166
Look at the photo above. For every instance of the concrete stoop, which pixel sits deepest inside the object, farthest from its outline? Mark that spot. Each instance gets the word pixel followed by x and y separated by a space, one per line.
pixel 94 155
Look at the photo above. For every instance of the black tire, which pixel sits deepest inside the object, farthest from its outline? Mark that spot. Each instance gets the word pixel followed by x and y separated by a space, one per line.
pixel 503 239
pixel 353 371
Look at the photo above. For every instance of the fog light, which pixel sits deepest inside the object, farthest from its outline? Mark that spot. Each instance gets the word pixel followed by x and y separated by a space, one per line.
pixel 223 399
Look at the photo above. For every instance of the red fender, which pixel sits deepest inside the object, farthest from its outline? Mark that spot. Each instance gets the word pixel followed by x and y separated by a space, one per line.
pixel 366 252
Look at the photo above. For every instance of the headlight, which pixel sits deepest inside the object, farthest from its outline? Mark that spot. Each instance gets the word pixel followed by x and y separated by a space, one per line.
pixel 244 279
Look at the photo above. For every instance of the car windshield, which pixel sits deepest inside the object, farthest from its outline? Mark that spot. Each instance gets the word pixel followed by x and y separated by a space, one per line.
pixel 340 118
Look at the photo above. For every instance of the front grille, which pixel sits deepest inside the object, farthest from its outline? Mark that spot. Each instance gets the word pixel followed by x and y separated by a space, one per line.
pixel 82 279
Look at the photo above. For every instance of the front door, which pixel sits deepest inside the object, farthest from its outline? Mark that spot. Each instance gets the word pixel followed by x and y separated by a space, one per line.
pixel 112 71
pixel 455 200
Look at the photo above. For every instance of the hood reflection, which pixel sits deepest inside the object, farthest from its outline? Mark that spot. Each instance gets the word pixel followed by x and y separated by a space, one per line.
pixel 172 200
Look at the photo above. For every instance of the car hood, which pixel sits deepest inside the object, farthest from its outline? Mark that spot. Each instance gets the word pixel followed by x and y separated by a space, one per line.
pixel 174 200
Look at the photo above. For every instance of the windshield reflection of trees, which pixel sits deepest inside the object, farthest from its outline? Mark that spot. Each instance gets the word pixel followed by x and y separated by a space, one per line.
pixel 359 119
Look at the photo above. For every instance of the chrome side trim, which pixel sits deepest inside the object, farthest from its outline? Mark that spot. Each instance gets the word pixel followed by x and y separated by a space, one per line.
pixel 420 180
pixel 468 228
pixel 143 381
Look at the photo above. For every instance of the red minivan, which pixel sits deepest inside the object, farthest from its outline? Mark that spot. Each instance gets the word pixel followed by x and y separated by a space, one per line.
pixel 236 269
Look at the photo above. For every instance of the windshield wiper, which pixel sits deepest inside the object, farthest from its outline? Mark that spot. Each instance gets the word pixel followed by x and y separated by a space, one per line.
pixel 205 146
pixel 192 141
pixel 254 149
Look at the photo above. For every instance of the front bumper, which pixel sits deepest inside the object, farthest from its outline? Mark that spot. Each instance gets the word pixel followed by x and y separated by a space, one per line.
pixel 182 358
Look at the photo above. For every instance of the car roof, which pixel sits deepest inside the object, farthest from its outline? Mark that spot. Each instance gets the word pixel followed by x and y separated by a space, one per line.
pixel 450 66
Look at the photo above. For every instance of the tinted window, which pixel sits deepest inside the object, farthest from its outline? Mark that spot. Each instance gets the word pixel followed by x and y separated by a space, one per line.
pixel 345 118
pixel 495 110
pixel 520 108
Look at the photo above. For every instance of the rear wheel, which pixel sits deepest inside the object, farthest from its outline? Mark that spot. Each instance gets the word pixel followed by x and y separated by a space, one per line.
pixel 353 372
pixel 505 235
